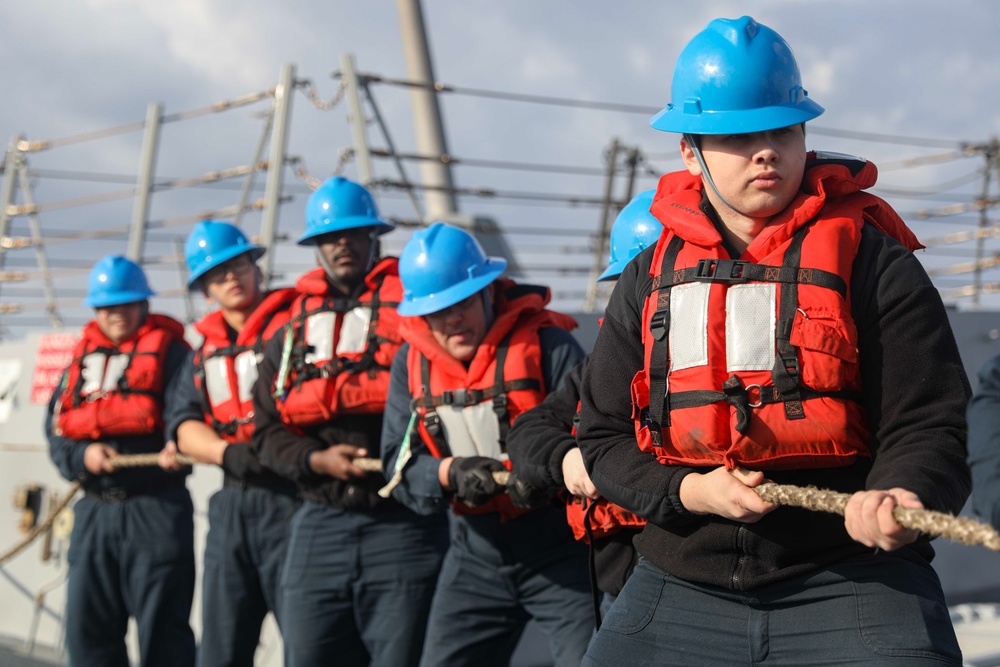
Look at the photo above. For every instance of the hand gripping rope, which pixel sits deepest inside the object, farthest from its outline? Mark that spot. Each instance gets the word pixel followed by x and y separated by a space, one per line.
pixel 931 523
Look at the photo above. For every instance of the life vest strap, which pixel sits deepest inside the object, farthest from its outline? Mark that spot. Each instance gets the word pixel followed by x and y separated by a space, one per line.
pixel 461 398
pixel 295 355
pixel 745 398
pixel 464 397
pixel 740 271
pixel 659 363
pixel 121 386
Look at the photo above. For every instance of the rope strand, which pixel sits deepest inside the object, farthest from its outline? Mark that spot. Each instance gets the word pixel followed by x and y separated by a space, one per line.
pixel 936 524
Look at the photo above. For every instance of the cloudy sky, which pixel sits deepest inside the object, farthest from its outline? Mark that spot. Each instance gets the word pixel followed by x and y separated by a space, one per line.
pixel 900 79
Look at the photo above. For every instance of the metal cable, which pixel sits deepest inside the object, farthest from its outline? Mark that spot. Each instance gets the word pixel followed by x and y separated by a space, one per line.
pixel 650 110
pixel 34 145
pixel 572 200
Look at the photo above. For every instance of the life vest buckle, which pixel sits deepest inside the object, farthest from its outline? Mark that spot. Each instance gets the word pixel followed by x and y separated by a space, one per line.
pixel 720 270
pixel 458 398
pixel 659 324
pixel 432 422
pixel 738 396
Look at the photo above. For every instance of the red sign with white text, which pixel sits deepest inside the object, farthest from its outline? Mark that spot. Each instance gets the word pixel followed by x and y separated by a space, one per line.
pixel 55 351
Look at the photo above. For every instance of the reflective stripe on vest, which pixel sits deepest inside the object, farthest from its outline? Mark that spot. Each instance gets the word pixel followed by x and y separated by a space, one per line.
pixel 218 382
pixel 101 372
pixel 352 334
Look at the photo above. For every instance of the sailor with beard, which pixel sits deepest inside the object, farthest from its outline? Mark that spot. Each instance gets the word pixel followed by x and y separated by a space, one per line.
pixel 361 569
pixel 480 351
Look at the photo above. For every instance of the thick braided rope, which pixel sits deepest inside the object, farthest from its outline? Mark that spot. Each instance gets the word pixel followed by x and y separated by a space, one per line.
pixel 929 522
pixel 368 465
pixel 144 460
pixel 375 465
pixel 936 524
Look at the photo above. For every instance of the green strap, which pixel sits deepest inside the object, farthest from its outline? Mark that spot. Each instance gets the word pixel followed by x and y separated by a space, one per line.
pixel 285 367
pixel 405 454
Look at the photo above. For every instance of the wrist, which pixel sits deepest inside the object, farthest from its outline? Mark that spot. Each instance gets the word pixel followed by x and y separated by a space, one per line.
pixel 311 462
pixel 219 455
pixel 689 493
pixel 444 469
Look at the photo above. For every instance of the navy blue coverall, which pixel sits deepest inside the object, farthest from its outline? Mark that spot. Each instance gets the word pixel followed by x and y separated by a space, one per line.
pixel 360 571
pixel 131 552
pixel 247 540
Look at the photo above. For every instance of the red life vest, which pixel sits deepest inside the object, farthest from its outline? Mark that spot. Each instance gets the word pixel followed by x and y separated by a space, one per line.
pixel 338 349
pixel 593 519
pixel 225 372
pixel 116 390
pixel 755 360
pixel 468 411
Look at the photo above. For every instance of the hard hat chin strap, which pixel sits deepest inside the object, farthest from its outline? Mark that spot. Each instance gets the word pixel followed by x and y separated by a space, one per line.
pixel 487 308
pixel 692 141
pixel 373 250
pixel 321 260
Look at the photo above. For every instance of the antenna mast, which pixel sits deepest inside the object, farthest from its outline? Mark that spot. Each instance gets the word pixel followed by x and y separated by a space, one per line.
pixel 439 196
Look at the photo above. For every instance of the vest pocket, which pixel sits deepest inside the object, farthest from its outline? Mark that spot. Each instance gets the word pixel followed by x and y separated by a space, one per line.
pixel 640 411
pixel 828 349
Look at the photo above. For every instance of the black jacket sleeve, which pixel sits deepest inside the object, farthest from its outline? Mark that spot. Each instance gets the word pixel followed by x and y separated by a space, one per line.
pixel 280 449
pixel 916 390
pixel 622 472
pixel 542 436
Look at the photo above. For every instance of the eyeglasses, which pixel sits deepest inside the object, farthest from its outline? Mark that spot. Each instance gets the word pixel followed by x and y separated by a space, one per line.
pixel 237 266
pixel 456 308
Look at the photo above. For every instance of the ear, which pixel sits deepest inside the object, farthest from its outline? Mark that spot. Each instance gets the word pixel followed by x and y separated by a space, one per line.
pixel 690 161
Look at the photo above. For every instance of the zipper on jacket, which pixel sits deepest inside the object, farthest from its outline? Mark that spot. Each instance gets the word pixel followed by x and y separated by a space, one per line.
pixel 740 532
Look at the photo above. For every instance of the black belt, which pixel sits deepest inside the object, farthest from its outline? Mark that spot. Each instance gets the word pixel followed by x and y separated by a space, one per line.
pixel 118 494
pixel 270 483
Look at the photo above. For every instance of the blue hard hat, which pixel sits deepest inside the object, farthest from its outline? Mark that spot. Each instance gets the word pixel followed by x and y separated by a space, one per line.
pixel 115 280
pixel 212 243
pixel 340 204
pixel 635 229
pixel 442 265
pixel 735 76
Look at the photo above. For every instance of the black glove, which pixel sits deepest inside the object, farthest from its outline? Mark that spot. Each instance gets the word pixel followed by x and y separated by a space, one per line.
pixel 526 496
pixel 239 460
pixel 471 477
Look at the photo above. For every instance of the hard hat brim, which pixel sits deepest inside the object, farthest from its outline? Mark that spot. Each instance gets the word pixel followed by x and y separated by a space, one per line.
pixel 612 272
pixel 256 252
pixel 428 305
pixel 340 224
pixel 116 299
pixel 737 121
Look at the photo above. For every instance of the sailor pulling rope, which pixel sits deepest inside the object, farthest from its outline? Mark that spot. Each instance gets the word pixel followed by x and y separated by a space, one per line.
pixel 935 524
